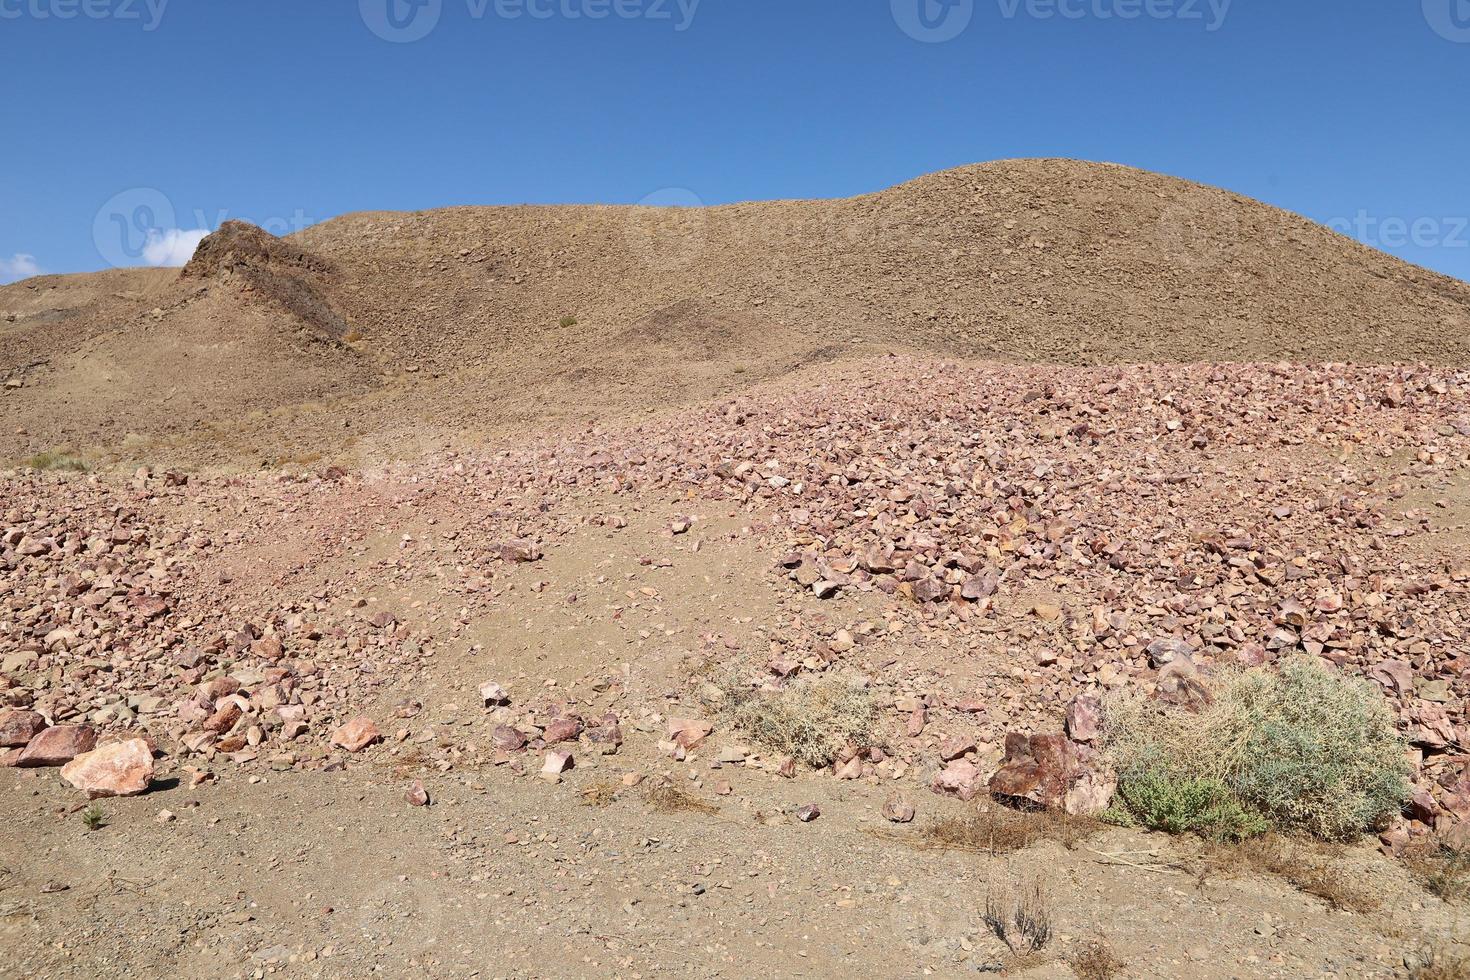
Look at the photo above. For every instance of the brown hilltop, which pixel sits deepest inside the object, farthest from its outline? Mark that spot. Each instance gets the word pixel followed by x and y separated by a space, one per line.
pixel 453 319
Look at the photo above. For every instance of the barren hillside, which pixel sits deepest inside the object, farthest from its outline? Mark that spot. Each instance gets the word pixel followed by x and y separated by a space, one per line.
pixel 431 322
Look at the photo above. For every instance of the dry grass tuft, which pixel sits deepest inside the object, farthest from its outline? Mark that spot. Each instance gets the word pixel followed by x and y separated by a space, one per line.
pixel 997 830
pixel 601 793
pixel 1095 960
pixel 1308 870
pixel 1441 870
pixel 1020 917
pixel 56 461
pixel 1440 964
pixel 810 720
pixel 668 798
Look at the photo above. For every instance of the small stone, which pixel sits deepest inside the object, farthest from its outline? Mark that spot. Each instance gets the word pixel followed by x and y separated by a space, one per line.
pixel 417 795
pixel 493 695
pixel 898 810
pixel 556 764
pixel 808 813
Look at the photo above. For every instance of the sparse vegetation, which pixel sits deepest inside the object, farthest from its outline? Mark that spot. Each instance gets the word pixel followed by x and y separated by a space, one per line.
pixel 668 798
pixel 1020 918
pixel 1442 870
pixel 1300 749
pixel 810 720
pixel 567 322
pixel 1317 874
pixel 1440 964
pixel 997 830
pixel 1095 960
pixel 93 818
pixel 601 793
pixel 56 461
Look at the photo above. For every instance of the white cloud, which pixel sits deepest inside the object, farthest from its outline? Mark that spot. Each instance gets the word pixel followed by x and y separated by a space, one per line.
pixel 172 247
pixel 18 266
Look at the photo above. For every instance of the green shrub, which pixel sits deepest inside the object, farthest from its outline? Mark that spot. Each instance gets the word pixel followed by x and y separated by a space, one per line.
pixel 1302 748
pixel 56 461
pixel 1182 806
pixel 808 720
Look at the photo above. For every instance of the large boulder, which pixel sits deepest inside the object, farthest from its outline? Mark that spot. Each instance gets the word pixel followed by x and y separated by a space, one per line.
pixel 57 746
pixel 116 769
pixel 1053 772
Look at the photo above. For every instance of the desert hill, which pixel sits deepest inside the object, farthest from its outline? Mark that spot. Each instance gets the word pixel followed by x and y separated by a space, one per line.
pixel 478 317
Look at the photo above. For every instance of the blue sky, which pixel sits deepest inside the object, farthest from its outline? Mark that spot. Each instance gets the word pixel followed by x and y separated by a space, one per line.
pixel 131 123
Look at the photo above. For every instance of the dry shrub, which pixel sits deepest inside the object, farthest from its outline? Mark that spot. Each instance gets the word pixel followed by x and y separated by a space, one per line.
pixel 809 720
pixel 1442 870
pixel 601 793
pixel 1095 960
pixel 1020 917
pixel 996 830
pixel 1304 747
pixel 1310 871
pixel 668 798
pixel 1440 964
pixel 56 461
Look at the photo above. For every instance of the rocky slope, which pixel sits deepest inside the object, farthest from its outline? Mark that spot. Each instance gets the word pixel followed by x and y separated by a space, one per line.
pixel 432 323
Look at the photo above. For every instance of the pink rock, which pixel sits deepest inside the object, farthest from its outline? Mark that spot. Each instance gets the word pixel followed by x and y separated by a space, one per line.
pixel 808 813
pixel 851 769
pixel 688 733
pixel 18 727
pixel 898 810
pixel 956 746
pixel 115 769
pixel 508 739
pixel 556 763
pixel 57 746
pixel 1084 718
pixel 356 734
pixel 492 694
pixel 563 730
pixel 417 795
pixel 961 779
pixel 518 551
pixel 1038 769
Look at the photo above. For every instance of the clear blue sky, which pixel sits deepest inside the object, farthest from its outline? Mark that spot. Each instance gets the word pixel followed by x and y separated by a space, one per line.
pixel 131 116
